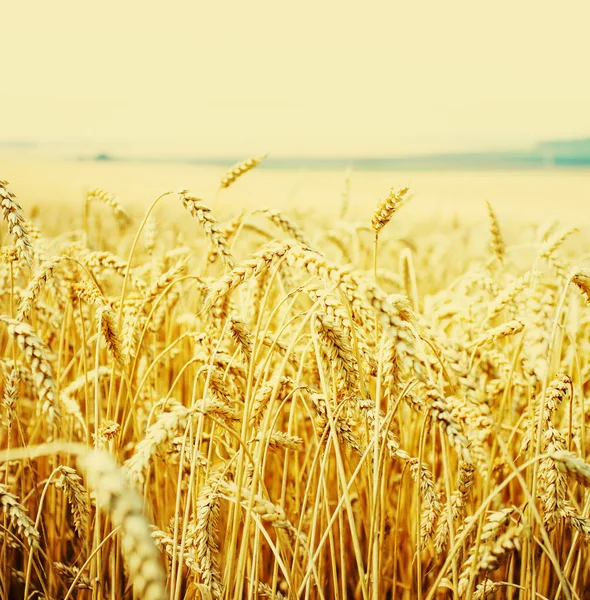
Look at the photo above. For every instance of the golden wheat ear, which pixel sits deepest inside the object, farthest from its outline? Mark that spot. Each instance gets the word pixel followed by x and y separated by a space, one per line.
pixel 39 357
pixel 13 215
pixel 388 207
pixel 240 169
pixel 203 214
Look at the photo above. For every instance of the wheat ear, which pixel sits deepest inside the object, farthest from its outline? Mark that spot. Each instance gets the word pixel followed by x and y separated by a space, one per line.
pixel 38 357
pixel 17 515
pixel 13 215
pixel 210 226
pixel 240 169
pixel 497 244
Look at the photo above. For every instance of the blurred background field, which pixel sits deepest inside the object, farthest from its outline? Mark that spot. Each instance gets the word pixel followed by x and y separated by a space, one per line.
pixel 523 196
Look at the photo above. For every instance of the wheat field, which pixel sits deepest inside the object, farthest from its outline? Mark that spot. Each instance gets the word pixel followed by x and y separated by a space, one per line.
pixel 264 406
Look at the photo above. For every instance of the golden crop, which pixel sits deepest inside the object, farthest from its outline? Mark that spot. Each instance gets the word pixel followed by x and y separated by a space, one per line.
pixel 264 408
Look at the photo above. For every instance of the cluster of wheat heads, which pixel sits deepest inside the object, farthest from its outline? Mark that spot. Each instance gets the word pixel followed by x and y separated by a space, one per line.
pixel 276 411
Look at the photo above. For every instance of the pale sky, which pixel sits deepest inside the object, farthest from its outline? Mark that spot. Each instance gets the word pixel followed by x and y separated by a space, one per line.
pixel 306 77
